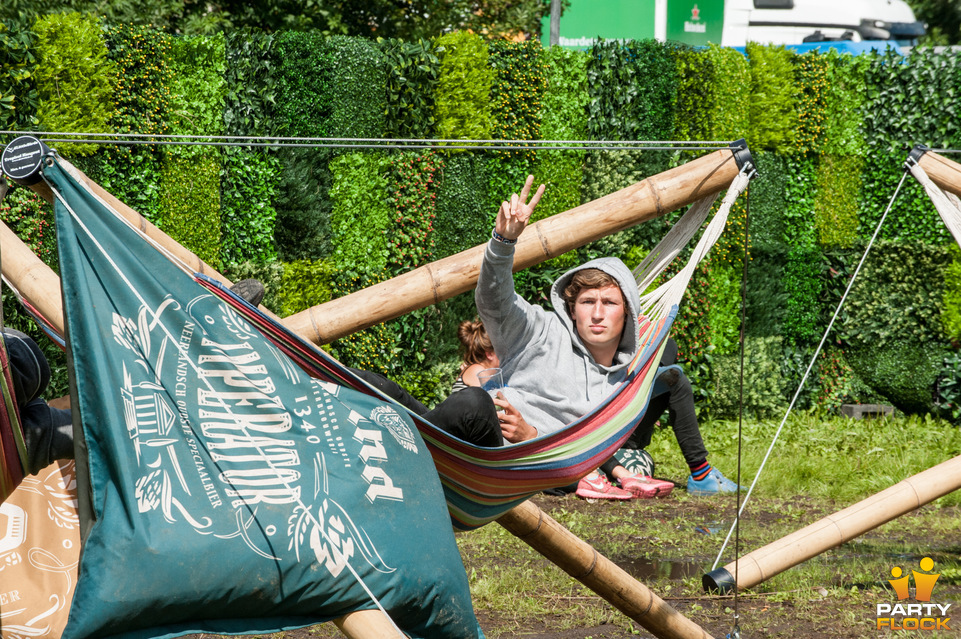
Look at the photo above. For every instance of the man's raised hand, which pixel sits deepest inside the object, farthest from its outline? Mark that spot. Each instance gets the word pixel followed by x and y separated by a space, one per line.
pixel 513 216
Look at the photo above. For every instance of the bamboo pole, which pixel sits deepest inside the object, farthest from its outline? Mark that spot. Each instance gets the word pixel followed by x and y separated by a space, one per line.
pixel 942 171
pixel 445 278
pixel 582 562
pixel 834 530
pixel 364 624
pixel 36 281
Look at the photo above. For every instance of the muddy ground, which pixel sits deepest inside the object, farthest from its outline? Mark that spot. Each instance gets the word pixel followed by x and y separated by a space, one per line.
pixel 837 602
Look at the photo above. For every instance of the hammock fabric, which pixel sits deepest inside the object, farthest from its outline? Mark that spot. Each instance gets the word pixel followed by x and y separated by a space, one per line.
pixel 947 204
pixel 12 447
pixel 482 483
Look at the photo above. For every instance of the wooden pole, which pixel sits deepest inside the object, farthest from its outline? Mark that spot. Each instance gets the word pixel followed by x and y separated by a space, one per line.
pixel 36 281
pixel 445 278
pixel 834 530
pixel 942 171
pixel 365 624
pixel 582 562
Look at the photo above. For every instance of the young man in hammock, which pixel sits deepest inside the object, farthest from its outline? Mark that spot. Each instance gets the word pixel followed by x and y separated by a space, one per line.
pixel 559 365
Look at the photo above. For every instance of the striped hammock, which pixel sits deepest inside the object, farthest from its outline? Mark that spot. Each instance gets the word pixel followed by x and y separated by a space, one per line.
pixel 483 483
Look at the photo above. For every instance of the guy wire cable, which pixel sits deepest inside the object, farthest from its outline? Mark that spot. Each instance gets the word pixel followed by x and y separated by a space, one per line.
pixel 736 631
pixel 133 139
pixel 807 372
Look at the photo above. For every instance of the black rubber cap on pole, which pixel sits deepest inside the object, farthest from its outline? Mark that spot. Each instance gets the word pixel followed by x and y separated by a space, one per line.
pixel 917 152
pixel 718 581
pixel 742 155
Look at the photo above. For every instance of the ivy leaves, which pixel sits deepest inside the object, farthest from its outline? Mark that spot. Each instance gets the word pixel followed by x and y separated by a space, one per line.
pixel 413 69
pixel 19 98
pixel 912 100
pixel 633 87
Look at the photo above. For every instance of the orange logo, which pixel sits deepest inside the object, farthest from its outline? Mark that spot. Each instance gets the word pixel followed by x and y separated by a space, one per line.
pixel 914 616
pixel 923 583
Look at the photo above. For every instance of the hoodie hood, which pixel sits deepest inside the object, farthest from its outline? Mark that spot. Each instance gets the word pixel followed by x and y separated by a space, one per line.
pixel 625 280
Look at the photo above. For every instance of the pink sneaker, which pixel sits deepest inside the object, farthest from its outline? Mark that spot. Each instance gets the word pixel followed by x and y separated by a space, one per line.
pixel 597 487
pixel 644 487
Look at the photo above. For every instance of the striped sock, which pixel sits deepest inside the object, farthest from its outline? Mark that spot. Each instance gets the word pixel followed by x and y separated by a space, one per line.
pixel 701 470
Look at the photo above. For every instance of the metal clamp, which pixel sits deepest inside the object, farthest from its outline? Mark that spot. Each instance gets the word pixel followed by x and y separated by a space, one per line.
pixel 915 156
pixel 743 158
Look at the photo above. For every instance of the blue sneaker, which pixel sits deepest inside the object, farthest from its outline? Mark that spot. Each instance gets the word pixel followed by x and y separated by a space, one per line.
pixel 713 484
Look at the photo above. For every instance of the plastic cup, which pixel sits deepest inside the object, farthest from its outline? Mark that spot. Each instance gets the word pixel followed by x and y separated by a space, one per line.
pixel 491 380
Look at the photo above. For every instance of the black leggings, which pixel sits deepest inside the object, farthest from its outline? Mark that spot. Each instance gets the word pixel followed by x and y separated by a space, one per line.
pixel 468 414
pixel 679 403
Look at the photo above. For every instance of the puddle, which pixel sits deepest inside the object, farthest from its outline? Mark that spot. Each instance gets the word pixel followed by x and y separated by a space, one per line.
pixel 642 569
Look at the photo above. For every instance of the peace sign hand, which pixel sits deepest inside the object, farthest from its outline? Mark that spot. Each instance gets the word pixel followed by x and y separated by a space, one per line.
pixel 513 216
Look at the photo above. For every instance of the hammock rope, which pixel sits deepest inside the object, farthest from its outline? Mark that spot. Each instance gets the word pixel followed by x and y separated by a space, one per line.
pixel 947 204
pixel 133 139
pixel 810 366
pixel 736 630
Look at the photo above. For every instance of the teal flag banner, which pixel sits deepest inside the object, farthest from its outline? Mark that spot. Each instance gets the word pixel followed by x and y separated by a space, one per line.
pixel 222 489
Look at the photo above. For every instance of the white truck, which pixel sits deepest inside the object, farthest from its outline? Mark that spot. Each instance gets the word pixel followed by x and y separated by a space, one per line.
pixel 734 23
pixel 809 21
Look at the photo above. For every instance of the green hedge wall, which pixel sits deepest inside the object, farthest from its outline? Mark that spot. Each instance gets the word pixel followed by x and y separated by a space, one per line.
pixel 141 105
pixel 773 108
pixel 413 69
pixel 75 78
pixel 829 132
pixel 462 106
pixel 190 189
pixel 19 98
pixel 250 176
pixel 563 117
pixel 305 104
pixel 516 95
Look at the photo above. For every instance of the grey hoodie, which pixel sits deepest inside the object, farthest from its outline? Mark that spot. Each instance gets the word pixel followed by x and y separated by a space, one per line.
pixel 552 378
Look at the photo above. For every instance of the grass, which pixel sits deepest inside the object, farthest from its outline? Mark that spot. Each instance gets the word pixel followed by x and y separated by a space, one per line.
pixel 818 466
pixel 828 457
